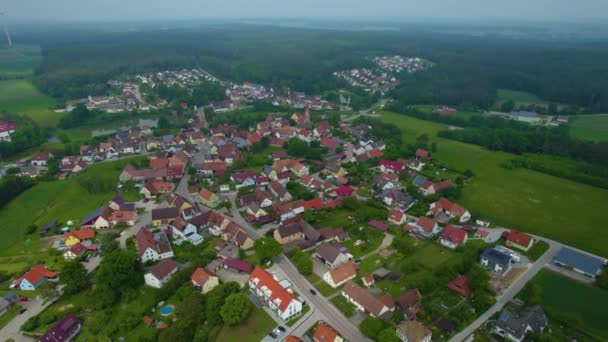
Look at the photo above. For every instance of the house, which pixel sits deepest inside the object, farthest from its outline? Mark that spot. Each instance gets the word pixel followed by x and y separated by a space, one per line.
pixel 34 278
pixel 6 129
pixel 127 217
pixel 453 237
pixel 331 255
pixel 160 273
pixel 519 240
pixel 99 219
pixel 65 330
pixel 191 213
pixel 279 191
pixel 340 274
pixel 155 188
pixel 365 301
pixel 282 302
pixel 76 236
pixel 495 261
pixel 236 235
pixel 337 234
pixel 76 251
pixel 204 281
pixel 424 226
pixel 255 211
pixel 381 183
pixel 208 198
pixel 413 331
pixel 395 197
pixel 345 191
pixel 368 280
pixel 409 303
pixel 422 154
pixel 289 210
pixel 528 117
pixel 415 164
pixel 390 166
pixel 396 216
pixel 152 247
pixel 381 226
pixel 515 326
pixel 181 228
pixel 164 216
pixel 451 209
pixel 326 333
pixel 460 285
pixel 288 233
pixel 41 159
pixel 579 262
pixel 237 265
pixel 179 202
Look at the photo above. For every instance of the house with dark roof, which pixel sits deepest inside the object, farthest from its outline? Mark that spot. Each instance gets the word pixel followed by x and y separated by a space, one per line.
pixel 65 330
pixel 495 261
pixel 409 303
pixel 515 326
pixel 331 255
pixel 98 219
pixel 289 233
pixel 579 262
pixel 164 216
pixel 236 265
pixel 160 273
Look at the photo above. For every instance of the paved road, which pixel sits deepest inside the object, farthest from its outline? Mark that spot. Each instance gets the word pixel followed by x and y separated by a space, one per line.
pixel 512 291
pixel 144 220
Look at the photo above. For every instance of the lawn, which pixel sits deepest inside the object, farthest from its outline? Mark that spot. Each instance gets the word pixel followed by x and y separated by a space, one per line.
pixel 61 200
pixel 9 315
pixel 348 309
pixel 519 97
pixel 257 325
pixel 21 97
pixel 523 199
pixel 563 295
pixel 589 127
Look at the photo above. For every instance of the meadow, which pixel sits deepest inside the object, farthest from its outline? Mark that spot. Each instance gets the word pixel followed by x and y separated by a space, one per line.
pixel 588 305
pixel 21 97
pixel 590 127
pixel 61 200
pixel 521 98
pixel 541 204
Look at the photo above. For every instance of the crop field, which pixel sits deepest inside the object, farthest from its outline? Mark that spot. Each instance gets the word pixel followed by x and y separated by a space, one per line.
pixel 559 209
pixel 590 127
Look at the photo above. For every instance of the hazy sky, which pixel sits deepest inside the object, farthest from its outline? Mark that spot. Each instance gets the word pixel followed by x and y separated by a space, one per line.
pixel 561 10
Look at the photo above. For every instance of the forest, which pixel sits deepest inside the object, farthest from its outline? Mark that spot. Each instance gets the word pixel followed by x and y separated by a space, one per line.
pixel 468 70
pixel 28 135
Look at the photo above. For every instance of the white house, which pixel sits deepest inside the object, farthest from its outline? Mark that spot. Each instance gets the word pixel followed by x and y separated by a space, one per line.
pixel 160 273
pixel 340 274
pixel 451 209
pixel 152 247
pixel 282 302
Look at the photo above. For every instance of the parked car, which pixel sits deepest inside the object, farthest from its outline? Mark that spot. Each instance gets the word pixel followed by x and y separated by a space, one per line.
pixel 281 328
pixel 23 299
pixel 313 292
pixel 272 334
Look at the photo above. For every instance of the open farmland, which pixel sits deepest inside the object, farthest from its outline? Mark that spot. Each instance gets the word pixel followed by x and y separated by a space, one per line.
pixel 590 127
pixel 21 97
pixel 560 209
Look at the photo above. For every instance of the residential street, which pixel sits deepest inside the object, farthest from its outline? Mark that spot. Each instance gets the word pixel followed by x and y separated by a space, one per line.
pixel 144 220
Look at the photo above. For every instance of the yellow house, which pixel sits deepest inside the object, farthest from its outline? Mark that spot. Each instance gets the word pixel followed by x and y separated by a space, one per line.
pixel 339 173
pixel 71 240
pixel 177 201
pixel 294 117
pixel 208 198
pixel 204 280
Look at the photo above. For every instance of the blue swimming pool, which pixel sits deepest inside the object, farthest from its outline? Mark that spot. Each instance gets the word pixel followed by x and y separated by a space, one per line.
pixel 166 310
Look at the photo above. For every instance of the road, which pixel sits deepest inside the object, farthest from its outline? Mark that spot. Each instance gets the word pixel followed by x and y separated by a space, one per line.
pixel 323 309
pixel 512 291
pixel 145 219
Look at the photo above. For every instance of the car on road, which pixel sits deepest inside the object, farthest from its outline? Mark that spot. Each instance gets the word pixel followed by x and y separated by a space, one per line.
pixel 313 292
pixel 23 299
pixel 273 335
pixel 281 328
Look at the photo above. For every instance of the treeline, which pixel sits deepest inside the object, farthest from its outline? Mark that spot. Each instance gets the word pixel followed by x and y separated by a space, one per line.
pixel 78 116
pixel 12 186
pixel 518 138
pixel 27 135
pixel 467 71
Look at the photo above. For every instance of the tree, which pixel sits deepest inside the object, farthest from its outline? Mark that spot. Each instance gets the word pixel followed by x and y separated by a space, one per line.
pixel 388 335
pixel 267 248
pixel 109 244
pixel 192 310
pixel 478 278
pixel 236 308
pixel 507 106
pixel 371 327
pixel 103 296
pixel 75 277
pixel 602 281
pixel 119 270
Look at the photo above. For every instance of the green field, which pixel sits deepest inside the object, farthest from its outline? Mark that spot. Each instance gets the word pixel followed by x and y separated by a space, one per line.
pixel 564 295
pixel 519 97
pixel 590 127
pixel 563 210
pixel 61 200
pixel 21 97
pixel 257 325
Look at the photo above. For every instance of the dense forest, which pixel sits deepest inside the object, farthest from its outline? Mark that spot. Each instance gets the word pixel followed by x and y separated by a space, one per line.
pixel 467 71
pixel 27 135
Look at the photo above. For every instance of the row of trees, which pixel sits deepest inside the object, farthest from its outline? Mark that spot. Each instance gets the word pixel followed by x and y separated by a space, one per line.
pixel 12 186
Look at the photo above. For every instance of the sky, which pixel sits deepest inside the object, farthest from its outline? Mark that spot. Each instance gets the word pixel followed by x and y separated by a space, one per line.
pixel 126 10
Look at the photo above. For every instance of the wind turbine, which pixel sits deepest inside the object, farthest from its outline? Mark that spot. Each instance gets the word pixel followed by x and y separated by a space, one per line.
pixel 8 35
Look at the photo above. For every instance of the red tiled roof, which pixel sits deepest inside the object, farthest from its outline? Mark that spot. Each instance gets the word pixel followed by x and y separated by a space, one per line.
pixel 392 165
pixel 144 239
pixel 325 333
pixel 278 292
pixel 36 274
pixel 454 234
pixel 345 191
pixel 343 272
pixel 200 276
pixel 460 285
pixel 78 249
pixel 420 153
pixel 426 223
pixel 163 268
pixel 519 238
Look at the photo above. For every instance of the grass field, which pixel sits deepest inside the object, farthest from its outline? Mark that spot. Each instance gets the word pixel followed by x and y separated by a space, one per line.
pixel 257 325
pixel 563 210
pixel 590 127
pixel 565 295
pixel 46 201
pixel 21 97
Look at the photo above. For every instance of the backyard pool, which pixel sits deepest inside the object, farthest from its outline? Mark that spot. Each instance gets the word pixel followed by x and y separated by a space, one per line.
pixel 166 310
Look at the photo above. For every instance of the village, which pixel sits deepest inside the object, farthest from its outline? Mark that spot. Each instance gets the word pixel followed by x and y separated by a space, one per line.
pixel 363 242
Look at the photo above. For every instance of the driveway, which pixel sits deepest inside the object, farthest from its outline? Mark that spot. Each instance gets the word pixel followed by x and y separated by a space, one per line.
pixel 144 220
pixel 13 328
